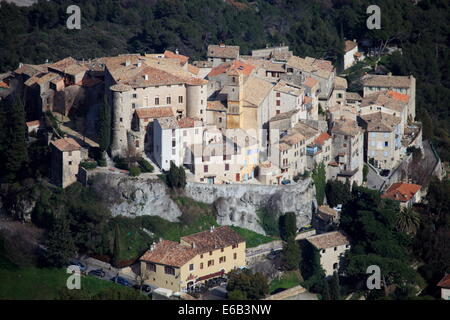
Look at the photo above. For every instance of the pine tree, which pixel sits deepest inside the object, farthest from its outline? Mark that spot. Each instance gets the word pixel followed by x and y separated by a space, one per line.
pixel 15 153
pixel 335 289
pixel 288 225
pixel 326 290
pixel 291 254
pixel 60 244
pixel 104 126
pixel 116 252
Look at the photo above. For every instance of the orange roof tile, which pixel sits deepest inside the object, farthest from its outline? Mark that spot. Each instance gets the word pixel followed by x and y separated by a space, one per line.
pixel 170 253
pixel 398 96
pixel 445 282
pixel 155 112
pixel 66 144
pixel 193 69
pixel 322 138
pixel 401 191
pixel 179 57
pixel 329 240
pixel 310 82
pixel 236 65
pixel 220 237
pixel 189 123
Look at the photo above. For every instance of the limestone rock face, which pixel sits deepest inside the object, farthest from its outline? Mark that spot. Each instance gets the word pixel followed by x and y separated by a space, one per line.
pixel 236 204
pixel 131 197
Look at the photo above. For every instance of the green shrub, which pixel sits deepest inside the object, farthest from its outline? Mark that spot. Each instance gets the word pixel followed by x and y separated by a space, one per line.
pixel 145 165
pixel 135 171
pixel 102 162
pixel 121 163
pixel 89 165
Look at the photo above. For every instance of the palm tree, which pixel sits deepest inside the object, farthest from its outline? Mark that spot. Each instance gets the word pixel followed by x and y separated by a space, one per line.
pixel 408 221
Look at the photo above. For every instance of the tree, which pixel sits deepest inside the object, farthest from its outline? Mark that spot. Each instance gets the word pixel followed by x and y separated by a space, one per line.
pixel 408 221
pixel 288 225
pixel 117 246
pixel 291 254
pixel 14 146
pixel 319 178
pixel 176 177
pixel 247 285
pixel 335 289
pixel 104 126
pixel 337 192
pixel 326 295
pixel 59 243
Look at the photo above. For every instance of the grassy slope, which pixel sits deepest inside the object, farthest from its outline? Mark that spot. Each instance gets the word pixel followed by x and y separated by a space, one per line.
pixel 288 280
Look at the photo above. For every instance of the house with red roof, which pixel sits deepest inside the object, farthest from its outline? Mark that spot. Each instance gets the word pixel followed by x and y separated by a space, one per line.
pixel 444 284
pixel 406 193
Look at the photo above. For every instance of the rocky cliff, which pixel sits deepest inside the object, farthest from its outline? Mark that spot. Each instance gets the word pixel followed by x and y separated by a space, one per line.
pixel 236 204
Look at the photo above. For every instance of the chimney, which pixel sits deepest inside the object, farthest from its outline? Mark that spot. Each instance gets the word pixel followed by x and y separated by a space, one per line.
pixel 176 51
pixel 211 229
pixel 139 63
pixel 152 246
pixel 160 239
pixel 193 245
pixel 222 45
pixel 127 63
pixel 389 74
pixel 146 76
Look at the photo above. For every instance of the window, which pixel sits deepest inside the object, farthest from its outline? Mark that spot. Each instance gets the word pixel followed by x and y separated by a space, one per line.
pixel 180 99
pixel 278 94
pixel 191 267
pixel 210 263
pixel 278 111
pixel 151 267
pixel 386 143
pixel 121 119
pixel 205 169
pixel 70 153
pixel 227 167
pixel 201 102
pixel 235 256
pixel 133 105
pixel 234 246
pixel 70 163
pixel 134 95
pixel 201 256
pixel 220 120
pixel 169 270
pixel 201 265
pixel 168 100
pixel 222 259
pixel 323 251
pixel 278 103
pixel 184 133
pixel 221 250
pixel 201 110
pixel 210 253
pixel 335 248
pixel 157 101
pixel 335 266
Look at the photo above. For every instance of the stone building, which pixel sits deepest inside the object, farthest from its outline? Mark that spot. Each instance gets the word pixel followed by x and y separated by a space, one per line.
pixel 65 161
pixel 196 258
pixel 332 247
pixel 218 54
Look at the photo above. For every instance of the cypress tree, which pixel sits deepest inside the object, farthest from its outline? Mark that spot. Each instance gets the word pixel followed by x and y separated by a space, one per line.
pixel 326 290
pixel 335 289
pixel 104 126
pixel 116 252
pixel 288 225
pixel 15 153
pixel 60 244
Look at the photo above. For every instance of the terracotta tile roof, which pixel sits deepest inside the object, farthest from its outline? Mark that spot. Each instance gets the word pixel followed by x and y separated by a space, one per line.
pixel 170 253
pixel 220 237
pixel 307 100
pixel 66 144
pixel 350 45
pixel 310 82
pixel 380 122
pixel 386 81
pixel 283 86
pixel 346 127
pixel 236 65
pixel 223 51
pixel 401 191
pixel 193 69
pixel 156 112
pixel 168 122
pixel 322 68
pixel 216 106
pixel 383 98
pixel 445 282
pixel 179 57
pixel 306 130
pixel 329 240
pixel 292 138
pixel 353 96
pixel 340 83
pixel 189 123
pixel 68 65
pixel 256 90
pixel 33 123
pixel 322 138
pixel 283 115
pixel 398 96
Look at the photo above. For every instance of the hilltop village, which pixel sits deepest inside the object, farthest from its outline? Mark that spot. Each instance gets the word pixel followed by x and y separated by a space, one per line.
pixel 264 118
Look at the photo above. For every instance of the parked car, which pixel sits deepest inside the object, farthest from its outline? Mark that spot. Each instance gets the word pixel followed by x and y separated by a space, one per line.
pixel 122 281
pixel 145 288
pixel 97 272
pixel 82 267
pixel 286 182
pixel 385 172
